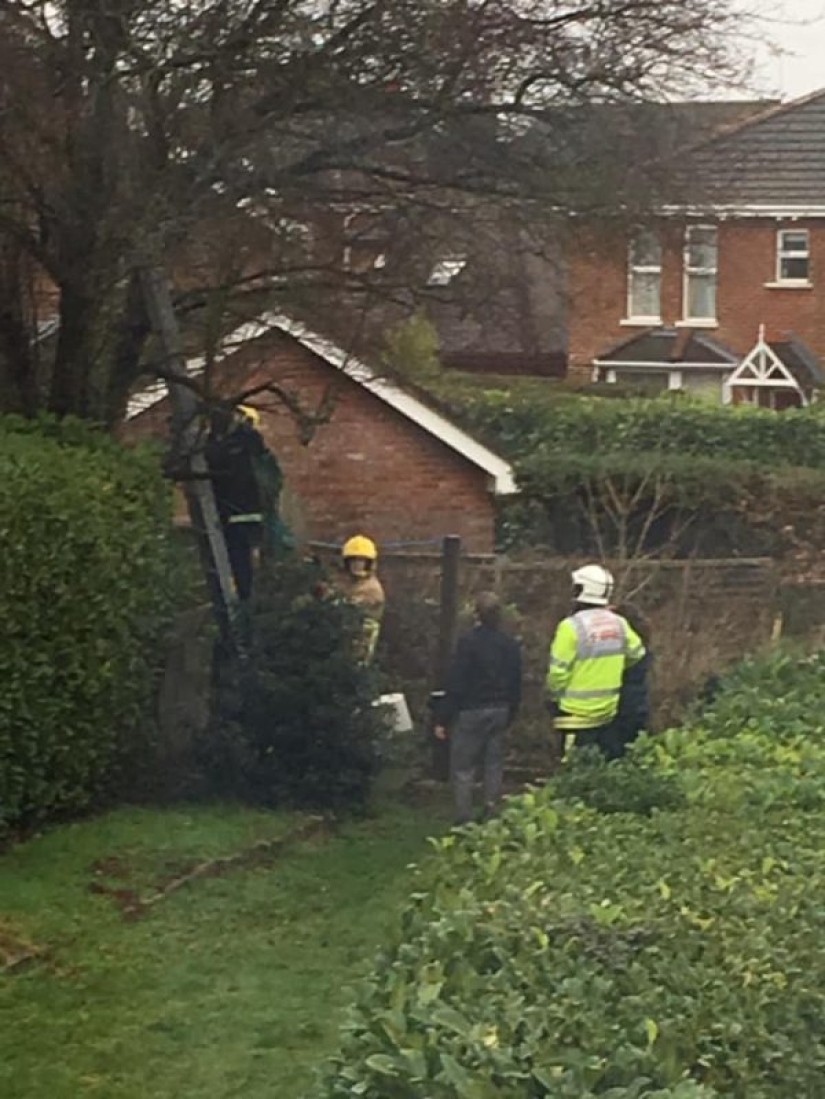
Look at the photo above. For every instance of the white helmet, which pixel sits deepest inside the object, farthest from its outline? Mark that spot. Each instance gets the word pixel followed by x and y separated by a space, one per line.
pixel 593 584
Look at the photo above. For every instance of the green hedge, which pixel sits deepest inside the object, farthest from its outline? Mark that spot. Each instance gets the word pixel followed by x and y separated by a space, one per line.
pixel 669 951
pixel 86 575
pixel 521 426
pixel 631 502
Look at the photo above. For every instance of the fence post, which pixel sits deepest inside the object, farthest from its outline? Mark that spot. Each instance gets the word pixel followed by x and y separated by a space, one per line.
pixel 448 616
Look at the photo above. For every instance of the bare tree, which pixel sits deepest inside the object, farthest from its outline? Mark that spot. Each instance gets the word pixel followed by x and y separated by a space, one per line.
pixel 229 141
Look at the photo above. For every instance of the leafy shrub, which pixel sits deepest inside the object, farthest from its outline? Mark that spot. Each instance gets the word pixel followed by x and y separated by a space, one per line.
pixel 301 728
pixel 621 786
pixel 747 474
pixel 567 953
pixel 630 503
pixel 523 426
pixel 86 576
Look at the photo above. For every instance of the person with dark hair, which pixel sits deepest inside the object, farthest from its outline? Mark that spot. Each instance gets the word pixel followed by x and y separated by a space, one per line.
pixel 480 702
pixel 634 701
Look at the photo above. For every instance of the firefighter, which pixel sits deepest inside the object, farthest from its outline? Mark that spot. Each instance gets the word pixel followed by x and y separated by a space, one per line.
pixel 359 558
pixel 590 651
pixel 233 448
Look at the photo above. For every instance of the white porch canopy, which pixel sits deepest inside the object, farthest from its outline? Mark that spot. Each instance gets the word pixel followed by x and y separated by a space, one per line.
pixel 763 368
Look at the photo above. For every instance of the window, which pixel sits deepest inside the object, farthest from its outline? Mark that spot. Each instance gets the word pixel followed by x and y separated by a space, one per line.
pixel 700 273
pixel 644 277
pixel 792 256
pixel 447 269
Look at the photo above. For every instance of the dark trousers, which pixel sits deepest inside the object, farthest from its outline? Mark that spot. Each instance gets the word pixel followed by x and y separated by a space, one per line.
pixel 242 539
pixel 477 739
pixel 611 740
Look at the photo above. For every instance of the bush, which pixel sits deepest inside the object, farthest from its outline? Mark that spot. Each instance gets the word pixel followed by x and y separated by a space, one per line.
pixel 521 426
pixel 569 953
pixel 301 728
pixel 630 504
pixel 86 573
pixel 621 786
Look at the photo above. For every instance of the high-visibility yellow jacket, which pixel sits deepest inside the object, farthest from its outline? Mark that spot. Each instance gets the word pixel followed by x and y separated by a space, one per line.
pixel 587 661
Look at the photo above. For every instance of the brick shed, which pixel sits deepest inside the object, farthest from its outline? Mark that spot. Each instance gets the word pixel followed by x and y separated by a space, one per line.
pixel 386 464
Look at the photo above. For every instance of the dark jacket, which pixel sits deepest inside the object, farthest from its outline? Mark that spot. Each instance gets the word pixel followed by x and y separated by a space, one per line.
pixel 485 671
pixel 231 460
pixel 634 701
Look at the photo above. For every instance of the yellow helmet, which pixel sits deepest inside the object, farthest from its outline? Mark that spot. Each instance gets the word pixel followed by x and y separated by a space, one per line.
pixel 250 413
pixel 360 546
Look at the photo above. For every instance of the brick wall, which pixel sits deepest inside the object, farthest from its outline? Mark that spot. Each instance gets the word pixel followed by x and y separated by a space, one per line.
pixel 370 469
pixel 746 262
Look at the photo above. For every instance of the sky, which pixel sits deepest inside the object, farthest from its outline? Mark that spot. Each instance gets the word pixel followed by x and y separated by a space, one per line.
pixel 791 53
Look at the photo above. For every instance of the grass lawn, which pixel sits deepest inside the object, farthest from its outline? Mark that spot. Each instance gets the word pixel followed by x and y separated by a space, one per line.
pixel 232 986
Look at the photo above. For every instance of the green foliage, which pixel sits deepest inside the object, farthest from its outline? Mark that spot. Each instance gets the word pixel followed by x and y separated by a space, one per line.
pixel 86 577
pixel 621 786
pixel 561 951
pixel 411 351
pixel 746 474
pixel 629 502
pixel 522 426
pixel 301 728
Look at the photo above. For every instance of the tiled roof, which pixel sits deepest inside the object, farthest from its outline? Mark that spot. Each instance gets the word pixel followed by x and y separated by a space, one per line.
pixel 500 472
pixel 774 159
pixel 800 360
pixel 673 347
pixel 669 345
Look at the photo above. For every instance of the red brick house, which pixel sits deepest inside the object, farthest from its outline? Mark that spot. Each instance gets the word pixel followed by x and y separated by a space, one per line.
pixel 723 295
pixel 386 463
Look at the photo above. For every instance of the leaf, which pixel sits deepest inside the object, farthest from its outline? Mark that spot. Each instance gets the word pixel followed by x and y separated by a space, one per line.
pixel 652 1031
pixel 447 1017
pixel 382 1064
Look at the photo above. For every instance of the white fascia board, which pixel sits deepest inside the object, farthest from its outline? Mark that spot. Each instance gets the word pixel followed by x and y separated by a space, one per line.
pixel 614 364
pixel 765 383
pixel 499 470
pixel 744 210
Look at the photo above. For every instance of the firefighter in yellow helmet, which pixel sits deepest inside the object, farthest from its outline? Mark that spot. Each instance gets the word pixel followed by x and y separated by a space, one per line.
pixel 233 449
pixel 359 558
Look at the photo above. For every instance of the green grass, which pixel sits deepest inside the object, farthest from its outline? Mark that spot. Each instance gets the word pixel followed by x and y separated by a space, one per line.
pixel 232 986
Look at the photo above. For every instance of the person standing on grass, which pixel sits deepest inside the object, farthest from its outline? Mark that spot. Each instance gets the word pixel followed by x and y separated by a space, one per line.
pixel 481 700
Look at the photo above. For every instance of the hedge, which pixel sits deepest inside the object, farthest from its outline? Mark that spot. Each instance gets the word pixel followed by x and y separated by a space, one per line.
pixel 629 502
pixel 87 573
pixel 648 929
pixel 522 426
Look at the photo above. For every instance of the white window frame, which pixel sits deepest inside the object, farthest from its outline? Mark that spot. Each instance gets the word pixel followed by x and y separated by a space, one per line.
pixel 634 269
pixel 783 253
pixel 447 269
pixel 688 271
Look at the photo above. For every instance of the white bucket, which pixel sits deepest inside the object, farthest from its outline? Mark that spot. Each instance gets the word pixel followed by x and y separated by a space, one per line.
pixel 400 716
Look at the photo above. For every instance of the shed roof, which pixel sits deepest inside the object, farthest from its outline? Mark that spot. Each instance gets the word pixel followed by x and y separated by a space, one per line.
pixel 384 389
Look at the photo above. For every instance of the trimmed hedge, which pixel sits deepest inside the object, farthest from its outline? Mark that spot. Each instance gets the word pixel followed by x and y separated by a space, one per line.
pixel 522 426
pixel 629 502
pixel 87 573
pixel 667 951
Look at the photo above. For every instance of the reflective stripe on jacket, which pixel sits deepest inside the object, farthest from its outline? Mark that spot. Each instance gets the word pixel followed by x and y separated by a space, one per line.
pixel 587 661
